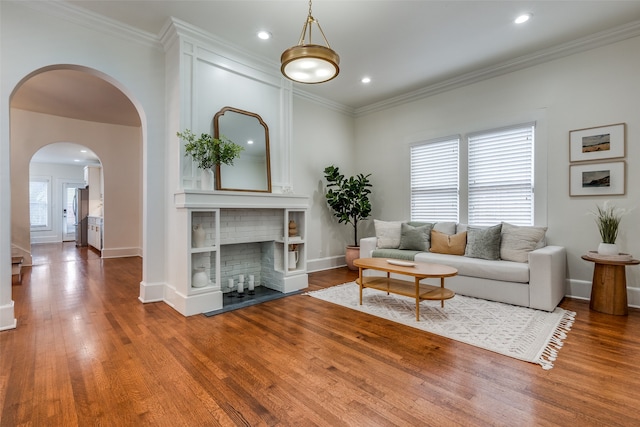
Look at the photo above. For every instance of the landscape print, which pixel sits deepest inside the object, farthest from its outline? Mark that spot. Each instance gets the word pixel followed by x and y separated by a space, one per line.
pixel 593 143
pixel 592 179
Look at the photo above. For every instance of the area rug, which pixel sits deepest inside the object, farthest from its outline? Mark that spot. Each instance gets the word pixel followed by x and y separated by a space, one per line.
pixel 526 334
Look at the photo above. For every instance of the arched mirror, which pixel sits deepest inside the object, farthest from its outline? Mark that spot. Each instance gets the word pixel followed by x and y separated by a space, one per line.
pixel 252 170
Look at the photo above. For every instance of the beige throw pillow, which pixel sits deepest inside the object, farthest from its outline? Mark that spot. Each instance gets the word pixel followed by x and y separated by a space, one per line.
pixel 452 244
pixel 388 233
pixel 518 241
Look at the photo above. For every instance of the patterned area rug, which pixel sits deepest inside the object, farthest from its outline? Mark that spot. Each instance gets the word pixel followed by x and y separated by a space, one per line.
pixel 531 335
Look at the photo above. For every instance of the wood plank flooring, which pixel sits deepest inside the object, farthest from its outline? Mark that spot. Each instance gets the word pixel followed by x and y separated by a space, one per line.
pixel 87 352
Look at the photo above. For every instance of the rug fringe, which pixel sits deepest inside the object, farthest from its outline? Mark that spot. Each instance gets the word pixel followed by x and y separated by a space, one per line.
pixel 550 352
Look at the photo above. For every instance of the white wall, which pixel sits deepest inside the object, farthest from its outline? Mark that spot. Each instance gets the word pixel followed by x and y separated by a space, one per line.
pixel 593 88
pixel 321 137
pixel 58 174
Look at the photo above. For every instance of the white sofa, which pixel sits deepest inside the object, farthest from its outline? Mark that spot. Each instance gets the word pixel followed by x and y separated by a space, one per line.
pixel 538 283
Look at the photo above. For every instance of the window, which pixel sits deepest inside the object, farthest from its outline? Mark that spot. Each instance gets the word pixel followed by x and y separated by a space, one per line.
pixel 497 182
pixel 434 180
pixel 39 203
pixel 501 176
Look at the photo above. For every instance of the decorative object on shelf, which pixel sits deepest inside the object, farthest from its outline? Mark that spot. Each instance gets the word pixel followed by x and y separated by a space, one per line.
pixel 349 200
pixel 308 62
pixel 251 285
pixel 208 151
pixel 230 285
pixel 293 259
pixel 293 228
pixel 241 286
pixel 198 236
pixel 200 278
pixel 608 219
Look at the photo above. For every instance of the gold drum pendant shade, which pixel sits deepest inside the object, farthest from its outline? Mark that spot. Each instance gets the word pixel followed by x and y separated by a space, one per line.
pixel 308 62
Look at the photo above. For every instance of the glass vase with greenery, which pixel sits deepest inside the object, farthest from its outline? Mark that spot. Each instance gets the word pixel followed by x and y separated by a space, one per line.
pixel 208 151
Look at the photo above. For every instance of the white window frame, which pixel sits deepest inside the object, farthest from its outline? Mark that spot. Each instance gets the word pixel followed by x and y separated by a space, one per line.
pixel 48 226
pixel 538 205
pixel 446 150
pixel 510 152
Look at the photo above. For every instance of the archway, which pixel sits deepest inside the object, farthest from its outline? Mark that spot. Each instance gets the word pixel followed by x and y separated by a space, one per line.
pixel 86 107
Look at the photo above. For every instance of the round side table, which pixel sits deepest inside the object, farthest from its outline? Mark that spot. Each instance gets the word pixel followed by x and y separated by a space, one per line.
pixel 609 287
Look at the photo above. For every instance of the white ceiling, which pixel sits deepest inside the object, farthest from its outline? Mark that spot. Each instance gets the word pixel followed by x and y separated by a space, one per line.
pixel 404 46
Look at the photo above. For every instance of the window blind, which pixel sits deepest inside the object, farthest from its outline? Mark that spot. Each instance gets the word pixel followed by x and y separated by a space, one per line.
pixel 501 176
pixel 434 180
pixel 39 203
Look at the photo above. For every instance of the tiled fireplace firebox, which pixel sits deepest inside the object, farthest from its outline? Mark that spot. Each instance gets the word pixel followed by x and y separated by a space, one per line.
pixel 244 234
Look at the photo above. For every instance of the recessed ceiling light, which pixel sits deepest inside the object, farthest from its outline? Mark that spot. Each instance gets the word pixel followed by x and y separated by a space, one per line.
pixel 264 35
pixel 523 18
pixel 366 80
pixel 76 160
pixel 250 141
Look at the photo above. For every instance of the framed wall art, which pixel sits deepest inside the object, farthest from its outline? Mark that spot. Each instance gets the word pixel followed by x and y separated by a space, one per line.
pixel 597 179
pixel 599 143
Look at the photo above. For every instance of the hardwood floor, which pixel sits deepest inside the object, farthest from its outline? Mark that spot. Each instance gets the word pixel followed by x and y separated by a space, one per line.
pixel 87 352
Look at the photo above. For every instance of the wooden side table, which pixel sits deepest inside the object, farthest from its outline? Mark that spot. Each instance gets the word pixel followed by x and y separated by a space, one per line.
pixel 609 287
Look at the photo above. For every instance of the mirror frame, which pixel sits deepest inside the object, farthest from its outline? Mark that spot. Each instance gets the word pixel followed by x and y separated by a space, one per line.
pixel 217 133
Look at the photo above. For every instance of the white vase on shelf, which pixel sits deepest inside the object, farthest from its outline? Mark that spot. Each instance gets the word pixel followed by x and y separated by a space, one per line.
pixel 293 260
pixel 206 179
pixel 608 249
pixel 200 278
pixel 198 236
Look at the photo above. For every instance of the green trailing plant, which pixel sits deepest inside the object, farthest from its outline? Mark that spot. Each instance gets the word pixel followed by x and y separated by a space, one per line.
pixel 208 151
pixel 348 197
pixel 608 219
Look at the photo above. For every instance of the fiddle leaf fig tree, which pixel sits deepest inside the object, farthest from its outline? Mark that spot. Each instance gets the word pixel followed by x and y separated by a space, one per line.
pixel 348 197
pixel 208 151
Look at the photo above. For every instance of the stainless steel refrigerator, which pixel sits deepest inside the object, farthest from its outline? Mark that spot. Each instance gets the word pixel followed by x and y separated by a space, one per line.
pixel 81 212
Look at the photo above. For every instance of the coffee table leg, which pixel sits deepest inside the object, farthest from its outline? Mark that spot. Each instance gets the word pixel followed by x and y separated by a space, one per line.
pixel 360 280
pixel 417 299
pixel 442 286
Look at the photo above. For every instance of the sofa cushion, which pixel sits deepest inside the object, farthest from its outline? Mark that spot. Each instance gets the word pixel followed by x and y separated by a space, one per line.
pixel 388 233
pixel 506 271
pixel 416 238
pixel 445 227
pixel 394 254
pixel 453 244
pixel 483 242
pixel 518 241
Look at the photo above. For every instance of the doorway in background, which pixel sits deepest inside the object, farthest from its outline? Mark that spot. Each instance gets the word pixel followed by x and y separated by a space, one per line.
pixel 68 217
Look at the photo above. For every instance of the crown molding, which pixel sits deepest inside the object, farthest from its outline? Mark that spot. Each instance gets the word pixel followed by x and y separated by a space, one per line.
pixel 94 21
pixel 327 103
pixel 593 41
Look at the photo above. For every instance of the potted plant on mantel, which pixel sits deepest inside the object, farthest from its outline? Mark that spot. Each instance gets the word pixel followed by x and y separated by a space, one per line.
pixel 349 199
pixel 208 152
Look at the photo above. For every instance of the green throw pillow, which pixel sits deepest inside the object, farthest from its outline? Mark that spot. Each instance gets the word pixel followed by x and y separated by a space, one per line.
pixel 483 242
pixel 415 238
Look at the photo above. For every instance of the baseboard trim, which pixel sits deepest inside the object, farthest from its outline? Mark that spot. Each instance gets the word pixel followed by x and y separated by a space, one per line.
pixel 581 289
pixel 329 263
pixel 7 317
pixel 120 252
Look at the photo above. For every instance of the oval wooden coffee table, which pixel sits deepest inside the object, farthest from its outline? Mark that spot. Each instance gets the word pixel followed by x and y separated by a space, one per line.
pixel 418 270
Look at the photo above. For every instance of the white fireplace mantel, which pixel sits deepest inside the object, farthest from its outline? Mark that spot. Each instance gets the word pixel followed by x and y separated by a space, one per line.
pixel 196 199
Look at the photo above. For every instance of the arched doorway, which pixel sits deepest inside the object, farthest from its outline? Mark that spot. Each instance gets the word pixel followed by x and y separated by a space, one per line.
pixel 83 106
pixel 56 172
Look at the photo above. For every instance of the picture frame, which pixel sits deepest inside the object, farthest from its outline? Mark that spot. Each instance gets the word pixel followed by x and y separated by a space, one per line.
pixel 597 143
pixel 597 179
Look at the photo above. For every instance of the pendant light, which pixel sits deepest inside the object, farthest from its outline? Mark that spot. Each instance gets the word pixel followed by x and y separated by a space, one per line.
pixel 307 62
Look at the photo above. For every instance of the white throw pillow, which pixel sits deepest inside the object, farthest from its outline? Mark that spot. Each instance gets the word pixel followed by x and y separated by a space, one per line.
pixel 388 233
pixel 446 227
pixel 518 241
